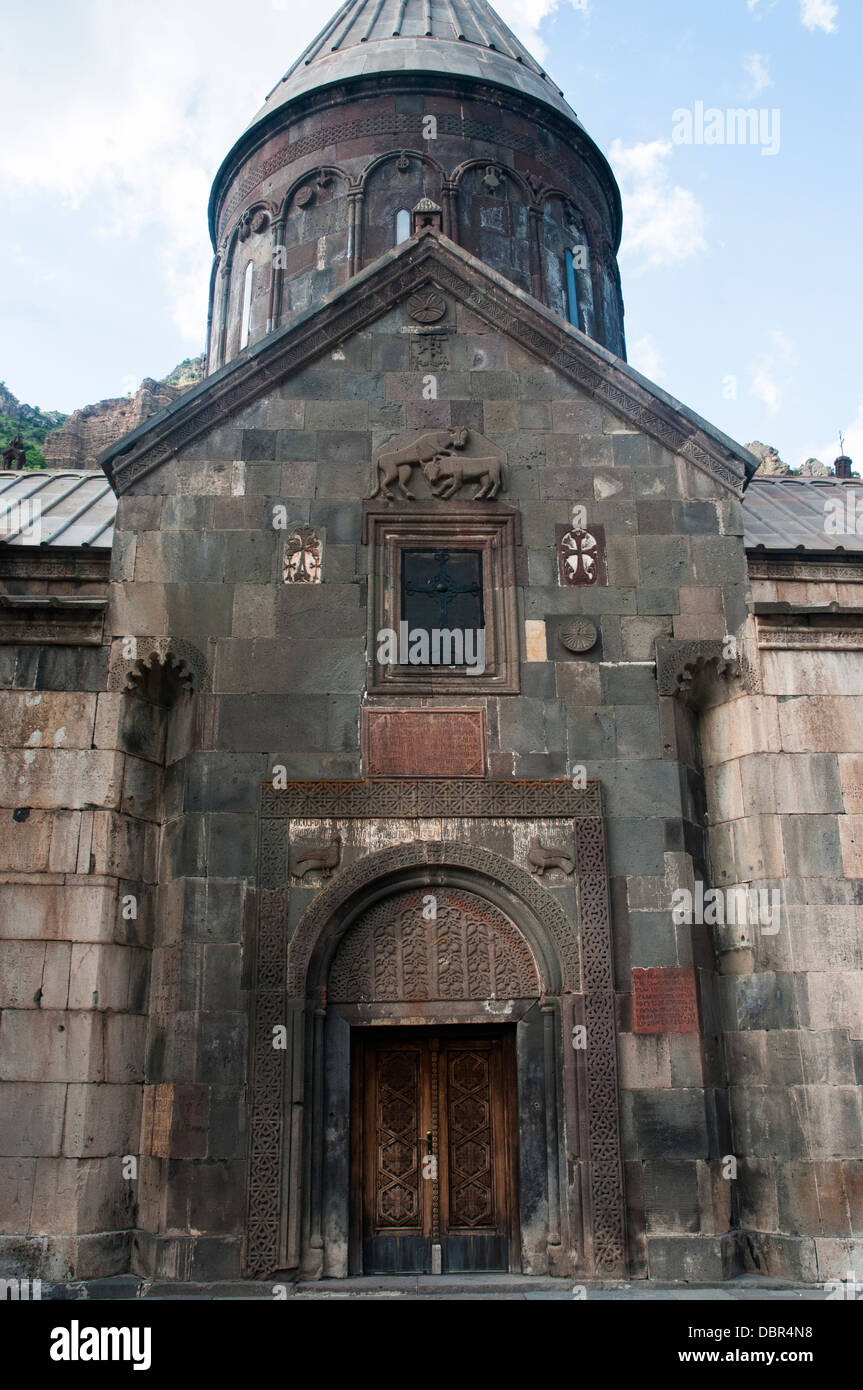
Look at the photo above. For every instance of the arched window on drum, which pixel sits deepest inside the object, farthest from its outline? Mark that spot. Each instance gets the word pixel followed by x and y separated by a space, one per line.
pixel 403 225
pixel 246 319
pixel 572 255
pixel 579 288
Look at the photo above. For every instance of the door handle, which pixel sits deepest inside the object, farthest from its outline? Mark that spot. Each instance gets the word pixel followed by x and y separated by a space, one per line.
pixel 429 1144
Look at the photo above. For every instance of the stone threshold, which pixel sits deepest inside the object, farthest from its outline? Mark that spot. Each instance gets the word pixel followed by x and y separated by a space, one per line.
pixel 483 1286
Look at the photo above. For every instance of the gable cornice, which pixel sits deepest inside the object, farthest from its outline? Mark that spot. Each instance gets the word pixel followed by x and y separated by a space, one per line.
pixel 424 259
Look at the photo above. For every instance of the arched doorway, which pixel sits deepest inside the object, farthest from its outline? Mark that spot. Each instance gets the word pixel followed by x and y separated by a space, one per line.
pixel 434 1107
pixel 492 961
pixel 506 956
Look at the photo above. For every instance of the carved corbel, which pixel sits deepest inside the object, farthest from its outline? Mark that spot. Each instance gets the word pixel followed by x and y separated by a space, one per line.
pixel 159 668
pixel 695 669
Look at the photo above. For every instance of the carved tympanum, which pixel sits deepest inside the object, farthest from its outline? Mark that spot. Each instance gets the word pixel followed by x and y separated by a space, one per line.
pixel 399 951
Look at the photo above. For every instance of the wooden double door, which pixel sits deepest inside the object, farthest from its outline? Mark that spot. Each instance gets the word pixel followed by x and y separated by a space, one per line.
pixel 434 1151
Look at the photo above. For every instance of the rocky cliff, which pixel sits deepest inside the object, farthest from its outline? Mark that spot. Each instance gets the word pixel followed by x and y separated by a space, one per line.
pixel 78 442
pixel 772 466
pixel 27 422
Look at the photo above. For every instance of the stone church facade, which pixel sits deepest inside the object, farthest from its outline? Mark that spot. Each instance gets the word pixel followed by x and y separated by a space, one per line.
pixel 544 958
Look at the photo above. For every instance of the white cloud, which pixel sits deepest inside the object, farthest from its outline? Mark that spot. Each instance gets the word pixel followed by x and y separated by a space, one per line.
pixel 757 69
pixel 165 97
pixel 645 356
pixel 771 375
pixel 819 14
pixel 663 223
pixel 525 16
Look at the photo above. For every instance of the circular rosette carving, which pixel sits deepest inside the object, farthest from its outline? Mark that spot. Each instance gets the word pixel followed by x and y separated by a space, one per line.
pixel 578 636
pixel 427 306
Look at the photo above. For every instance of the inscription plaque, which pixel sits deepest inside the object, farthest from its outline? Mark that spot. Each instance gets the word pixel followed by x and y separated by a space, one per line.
pixel 163 1114
pixel 424 743
pixel 664 1000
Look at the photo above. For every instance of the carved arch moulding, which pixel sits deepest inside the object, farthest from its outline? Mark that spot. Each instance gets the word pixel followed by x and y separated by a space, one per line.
pixel 573 955
pixel 409 126
pixel 186 663
pixel 431 855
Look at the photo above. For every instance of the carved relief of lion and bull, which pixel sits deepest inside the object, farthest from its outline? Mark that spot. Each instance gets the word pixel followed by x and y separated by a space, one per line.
pixel 439 454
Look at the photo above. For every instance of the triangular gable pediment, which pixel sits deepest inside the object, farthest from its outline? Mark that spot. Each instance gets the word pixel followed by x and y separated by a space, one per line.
pixel 429 259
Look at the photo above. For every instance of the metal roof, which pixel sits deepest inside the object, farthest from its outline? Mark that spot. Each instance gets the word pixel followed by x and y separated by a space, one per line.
pixel 63 508
pixel 465 38
pixel 791 514
pixel 77 509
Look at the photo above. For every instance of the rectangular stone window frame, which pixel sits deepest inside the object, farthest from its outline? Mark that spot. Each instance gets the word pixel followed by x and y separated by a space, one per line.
pixel 489 527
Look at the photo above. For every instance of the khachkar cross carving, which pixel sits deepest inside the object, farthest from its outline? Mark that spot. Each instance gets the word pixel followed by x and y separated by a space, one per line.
pixel 429 352
pixel 580 559
pixel 303 557
pixel 581 555
pixel 442 586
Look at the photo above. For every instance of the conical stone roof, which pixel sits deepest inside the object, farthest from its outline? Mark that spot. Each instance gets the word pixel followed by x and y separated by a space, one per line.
pixel 462 38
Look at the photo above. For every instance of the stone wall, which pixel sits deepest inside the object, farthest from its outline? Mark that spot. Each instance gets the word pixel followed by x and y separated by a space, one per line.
pixel 81 806
pixel 129 1036
pixel 285 669
pixel 785 794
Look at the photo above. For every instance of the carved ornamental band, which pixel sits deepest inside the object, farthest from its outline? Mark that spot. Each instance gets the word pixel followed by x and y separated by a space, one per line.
pixel 417 964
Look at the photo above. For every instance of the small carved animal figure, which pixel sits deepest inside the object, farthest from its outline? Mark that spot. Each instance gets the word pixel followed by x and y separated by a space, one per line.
pixel 446 475
pixel 14 456
pixel 322 857
pixel 540 858
pixel 398 466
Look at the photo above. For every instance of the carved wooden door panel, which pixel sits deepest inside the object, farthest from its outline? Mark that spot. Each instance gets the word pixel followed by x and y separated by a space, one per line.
pixel 435 1155
pixel 396 1200
pixel 475 1200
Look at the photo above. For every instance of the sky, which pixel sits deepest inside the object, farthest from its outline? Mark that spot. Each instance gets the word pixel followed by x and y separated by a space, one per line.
pixel 739 258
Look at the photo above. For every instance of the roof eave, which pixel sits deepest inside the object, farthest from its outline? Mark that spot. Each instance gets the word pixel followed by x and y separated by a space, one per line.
pixel 600 372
